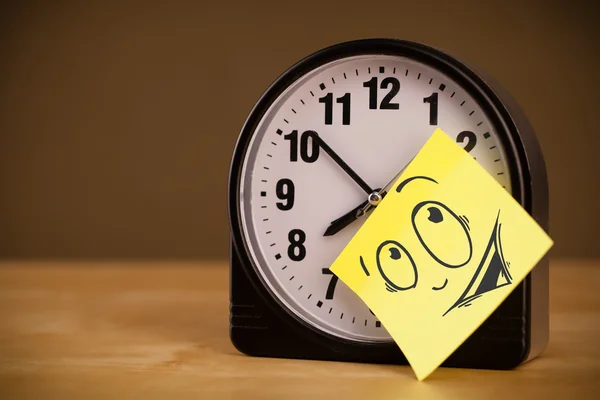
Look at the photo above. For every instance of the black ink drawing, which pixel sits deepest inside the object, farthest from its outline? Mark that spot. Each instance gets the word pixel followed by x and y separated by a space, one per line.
pixel 400 272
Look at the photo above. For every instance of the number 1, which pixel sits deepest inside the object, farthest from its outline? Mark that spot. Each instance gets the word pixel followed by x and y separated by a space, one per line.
pixel 433 108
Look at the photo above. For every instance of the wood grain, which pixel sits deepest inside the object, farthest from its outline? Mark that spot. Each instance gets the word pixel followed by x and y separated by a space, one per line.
pixel 84 330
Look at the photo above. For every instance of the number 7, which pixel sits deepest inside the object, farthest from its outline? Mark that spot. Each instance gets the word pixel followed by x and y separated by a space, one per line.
pixel 332 283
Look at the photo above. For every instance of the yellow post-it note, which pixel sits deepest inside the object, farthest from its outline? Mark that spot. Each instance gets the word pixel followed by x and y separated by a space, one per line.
pixel 440 253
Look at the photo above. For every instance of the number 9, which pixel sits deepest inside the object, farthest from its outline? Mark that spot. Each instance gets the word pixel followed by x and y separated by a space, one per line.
pixel 285 191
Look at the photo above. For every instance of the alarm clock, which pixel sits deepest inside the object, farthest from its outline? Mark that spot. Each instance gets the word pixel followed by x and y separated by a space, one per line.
pixel 317 147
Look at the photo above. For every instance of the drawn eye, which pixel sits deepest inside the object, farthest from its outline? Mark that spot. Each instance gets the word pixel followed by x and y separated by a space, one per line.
pixel 396 266
pixel 442 233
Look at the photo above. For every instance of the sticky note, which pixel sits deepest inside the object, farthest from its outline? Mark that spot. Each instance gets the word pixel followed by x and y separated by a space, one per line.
pixel 440 253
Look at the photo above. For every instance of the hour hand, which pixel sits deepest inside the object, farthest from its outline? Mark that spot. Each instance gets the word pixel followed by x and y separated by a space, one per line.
pixel 357 212
pixel 345 220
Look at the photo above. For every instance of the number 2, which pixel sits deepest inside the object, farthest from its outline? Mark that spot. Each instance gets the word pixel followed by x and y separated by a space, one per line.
pixel 470 137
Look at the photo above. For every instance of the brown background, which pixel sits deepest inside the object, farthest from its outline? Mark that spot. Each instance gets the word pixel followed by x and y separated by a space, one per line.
pixel 118 119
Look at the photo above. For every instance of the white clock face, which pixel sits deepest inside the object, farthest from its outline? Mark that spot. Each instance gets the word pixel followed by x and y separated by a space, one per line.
pixel 375 112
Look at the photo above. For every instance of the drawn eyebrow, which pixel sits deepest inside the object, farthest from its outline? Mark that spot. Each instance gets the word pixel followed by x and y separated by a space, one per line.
pixel 364 267
pixel 407 181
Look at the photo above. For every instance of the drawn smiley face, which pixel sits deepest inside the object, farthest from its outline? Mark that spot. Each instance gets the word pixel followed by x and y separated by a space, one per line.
pixel 444 236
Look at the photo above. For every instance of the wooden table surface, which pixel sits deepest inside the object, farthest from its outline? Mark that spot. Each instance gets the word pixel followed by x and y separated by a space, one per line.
pixel 160 330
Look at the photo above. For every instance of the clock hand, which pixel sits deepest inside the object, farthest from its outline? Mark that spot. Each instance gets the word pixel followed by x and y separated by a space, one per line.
pixel 372 201
pixel 346 219
pixel 375 198
pixel 364 186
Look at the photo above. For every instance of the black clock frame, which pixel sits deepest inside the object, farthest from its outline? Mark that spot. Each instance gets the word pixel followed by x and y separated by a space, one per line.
pixel 260 325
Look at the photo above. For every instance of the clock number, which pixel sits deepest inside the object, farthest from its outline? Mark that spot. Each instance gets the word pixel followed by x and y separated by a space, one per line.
pixel 470 137
pixel 372 85
pixel 296 250
pixel 305 155
pixel 386 102
pixel 285 191
pixel 332 283
pixel 344 101
pixel 433 108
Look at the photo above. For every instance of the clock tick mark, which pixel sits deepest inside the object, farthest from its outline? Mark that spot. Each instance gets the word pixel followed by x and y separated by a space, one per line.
pixel 319 303
pixel 365 322
pixel 406 73
pixel 479 124
pixel 330 309
pixel 463 103
pixel 333 80
pixel 377 324
pixel 292 278
pixel 453 93
pixel 263 180
pixel 431 80
pixel 284 267
pixel 267 168
pixel 294 111
pixel 353 319
pixel 356 72
pixel 419 76
pixel 342 316
pixel 268 155
pixel 322 86
pixel 442 87
pixel 486 135
pixel 286 121
pixel 279 131
pixel 381 71
pixel 274 144
pixel 302 101
pixel 277 256
pixel 497 160
pixel 268 232
pixel 263 194
pixel 309 296
pixel 263 206
pixel 369 69
pixel 265 220
pixel 345 77
pixel 500 173
pixel 272 244
pixel 300 288
pixel 493 147
pixel 471 113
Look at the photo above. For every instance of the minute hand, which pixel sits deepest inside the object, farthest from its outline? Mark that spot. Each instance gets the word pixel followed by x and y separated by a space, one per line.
pixel 363 185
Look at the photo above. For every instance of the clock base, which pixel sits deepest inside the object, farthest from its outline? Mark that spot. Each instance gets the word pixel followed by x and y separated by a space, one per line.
pixel 260 327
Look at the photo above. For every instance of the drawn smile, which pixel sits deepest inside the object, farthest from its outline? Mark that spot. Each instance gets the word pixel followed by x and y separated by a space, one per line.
pixel 441 287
